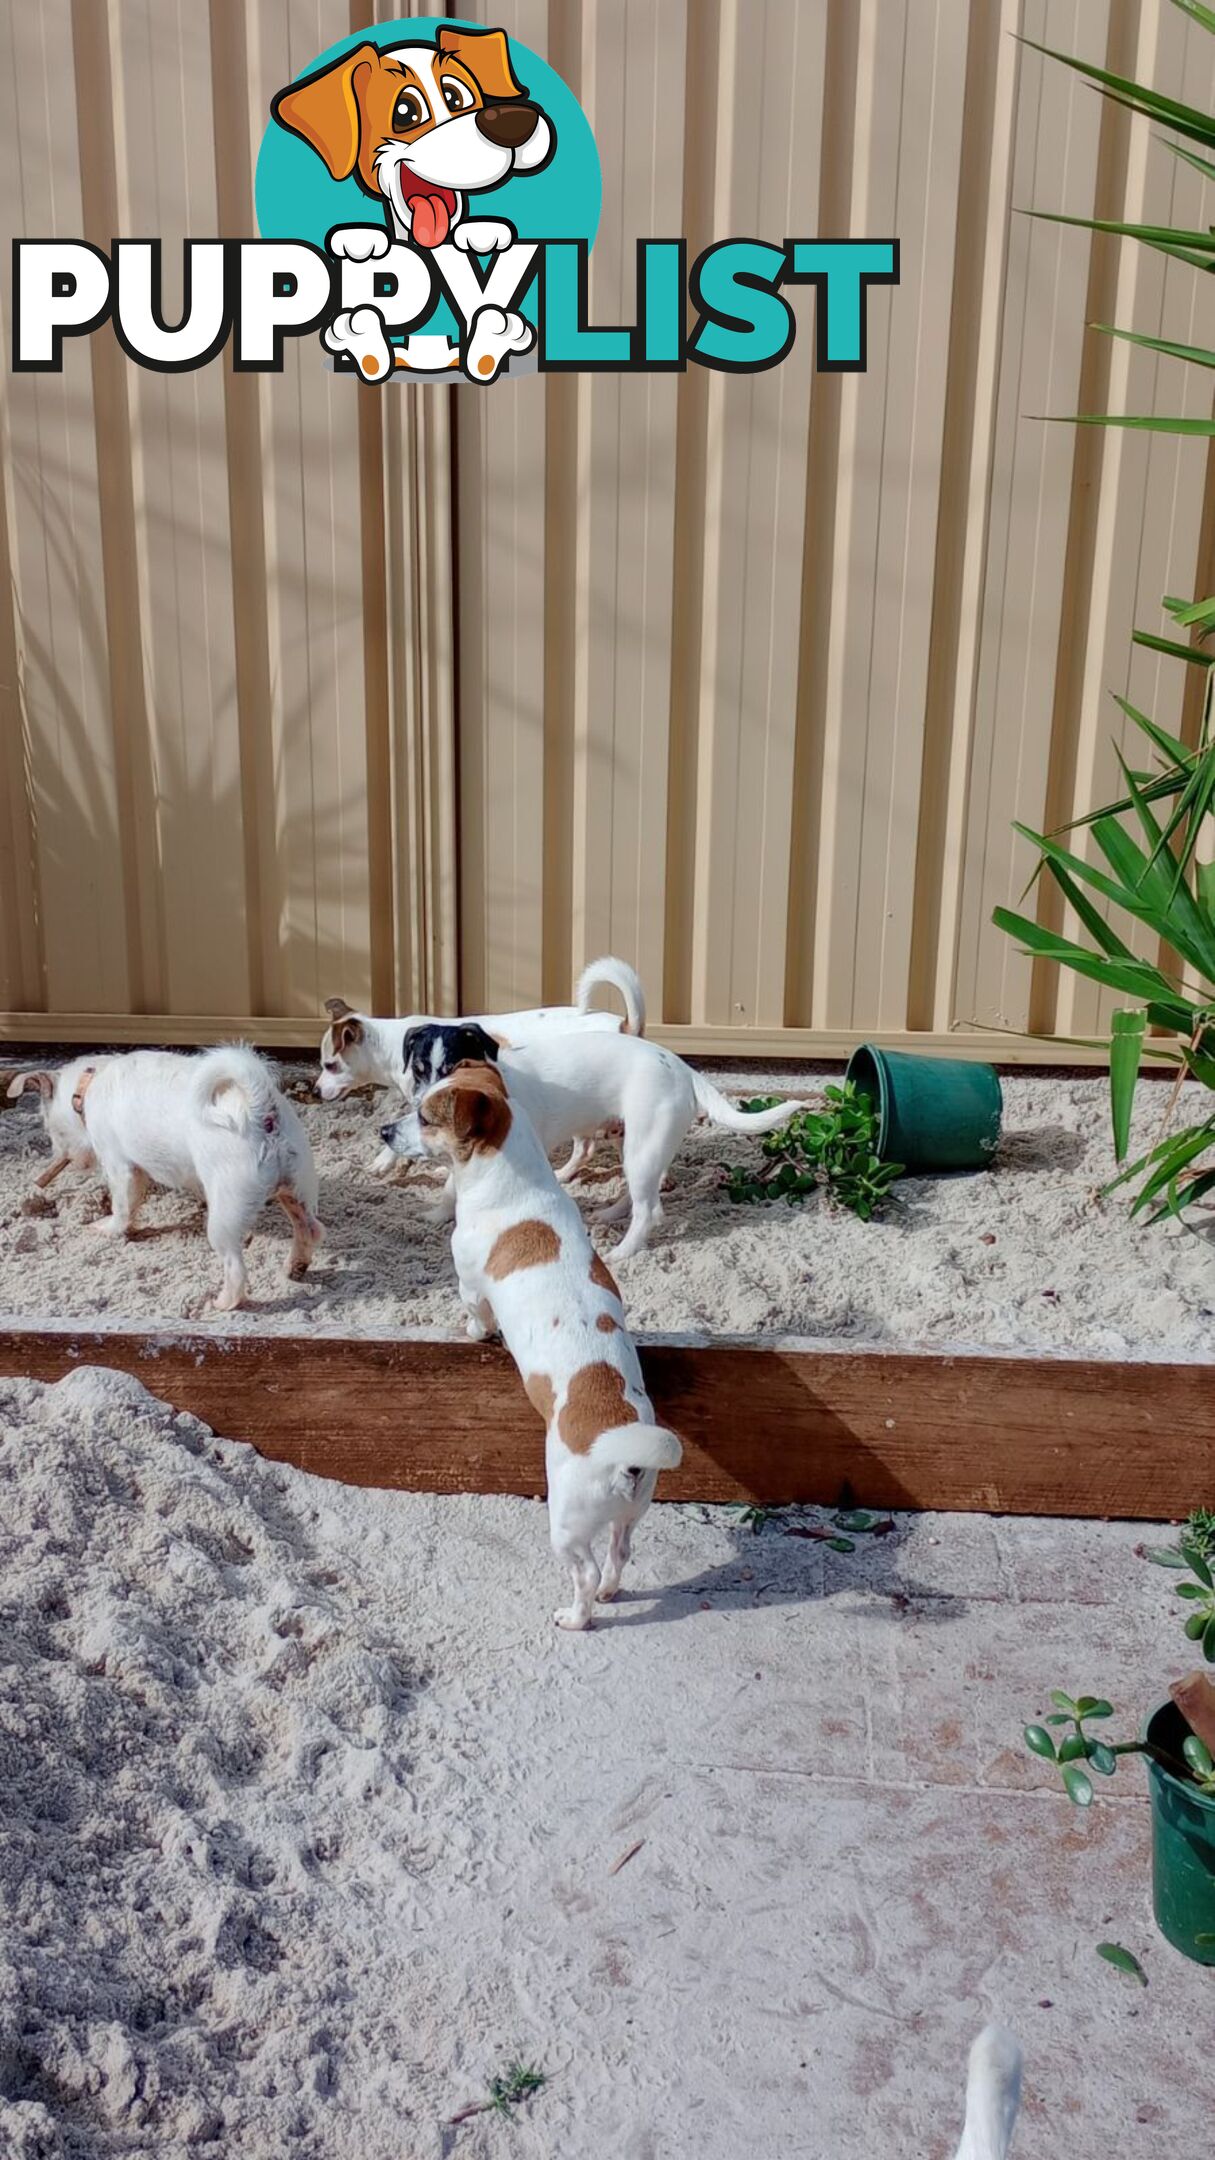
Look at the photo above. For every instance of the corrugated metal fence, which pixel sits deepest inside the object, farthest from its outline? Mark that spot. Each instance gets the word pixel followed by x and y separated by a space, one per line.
pixel 430 696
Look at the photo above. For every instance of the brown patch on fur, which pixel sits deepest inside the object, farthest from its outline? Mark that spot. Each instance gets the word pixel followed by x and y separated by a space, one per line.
pixel 603 1276
pixel 337 1008
pixel 43 1081
pixel 606 1325
pixel 343 1033
pixel 526 1244
pixel 347 110
pixel 594 1403
pixel 539 1390
pixel 471 1104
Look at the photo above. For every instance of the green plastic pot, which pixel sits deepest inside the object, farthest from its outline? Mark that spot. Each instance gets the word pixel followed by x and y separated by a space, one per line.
pixel 934 1113
pixel 1183 1846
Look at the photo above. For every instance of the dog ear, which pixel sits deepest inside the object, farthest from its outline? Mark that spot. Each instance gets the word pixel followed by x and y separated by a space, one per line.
pixel 479 1111
pixel 43 1081
pixel 486 55
pixel 326 108
pixel 346 1032
pixel 476 1046
pixel 337 1008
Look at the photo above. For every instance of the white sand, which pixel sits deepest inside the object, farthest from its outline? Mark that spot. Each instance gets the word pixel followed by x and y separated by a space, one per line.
pixel 1026 1256
pixel 308 1819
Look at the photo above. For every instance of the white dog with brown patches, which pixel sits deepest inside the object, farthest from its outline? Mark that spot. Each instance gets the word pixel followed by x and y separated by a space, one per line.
pixel 214 1125
pixel 421 128
pixel 527 1268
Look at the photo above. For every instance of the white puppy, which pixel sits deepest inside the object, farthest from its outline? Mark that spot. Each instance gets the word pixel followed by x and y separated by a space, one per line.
pixel 527 1268
pixel 214 1125
pixel 569 1087
pixel 359 1052
pixel 993 2091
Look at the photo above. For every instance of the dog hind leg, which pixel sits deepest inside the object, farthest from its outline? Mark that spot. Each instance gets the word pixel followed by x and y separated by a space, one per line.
pixel 580 1561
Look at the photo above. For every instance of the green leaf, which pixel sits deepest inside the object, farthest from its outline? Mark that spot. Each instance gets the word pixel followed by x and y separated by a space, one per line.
pixel 1079 1785
pixel 840 1544
pixel 1136 978
pixel 1126 1050
pixel 1193 653
pixel 854 1519
pixel 1196 1626
pixel 1094 1707
pixel 1208 1641
pixel 1074 1748
pixel 1198 355
pixel 1187 120
pixel 1062 1701
pixel 1197 1561
pixel 1198 1755
pixel 1102 1758
pixel 1114 1954
pixel 1190 1590
pixel 1169 1556
pixel 1039 1742
pixel 1143 423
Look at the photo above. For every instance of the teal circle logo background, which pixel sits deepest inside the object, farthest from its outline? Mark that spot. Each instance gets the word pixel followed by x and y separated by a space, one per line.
pixel 297 199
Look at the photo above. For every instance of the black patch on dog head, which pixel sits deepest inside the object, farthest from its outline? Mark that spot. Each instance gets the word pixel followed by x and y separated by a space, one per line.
pixel 430 1053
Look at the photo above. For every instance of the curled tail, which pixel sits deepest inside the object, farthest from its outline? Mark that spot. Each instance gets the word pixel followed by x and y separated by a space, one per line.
pixel 620 977
pixel 231 1087
pixel 637 1447
pixel 715 1105
pixel 993 2090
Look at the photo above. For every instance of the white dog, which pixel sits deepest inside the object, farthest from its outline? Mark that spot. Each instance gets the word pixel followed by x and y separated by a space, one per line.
pixel 527 1268
pixel 993 2091
pixel 570 1087
pixel 421 128
pixel 359 1052
pixel 214 1125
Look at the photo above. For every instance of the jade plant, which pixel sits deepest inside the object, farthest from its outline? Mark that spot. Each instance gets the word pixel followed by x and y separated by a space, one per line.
pixel 1079 1751
pixel 1149 865
pixel 832 1148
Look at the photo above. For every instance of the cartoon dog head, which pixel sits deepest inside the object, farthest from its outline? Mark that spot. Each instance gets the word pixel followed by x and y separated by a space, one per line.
pixel 420 126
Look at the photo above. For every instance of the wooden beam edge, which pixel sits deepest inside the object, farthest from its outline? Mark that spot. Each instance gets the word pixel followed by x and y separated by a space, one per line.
pixel 955 1432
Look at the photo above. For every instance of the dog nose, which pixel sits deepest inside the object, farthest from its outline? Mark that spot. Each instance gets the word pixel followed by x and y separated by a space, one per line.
pixel 506 126
pixel 387 1132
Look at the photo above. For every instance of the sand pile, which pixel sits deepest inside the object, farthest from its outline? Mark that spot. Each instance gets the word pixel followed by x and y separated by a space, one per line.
pixel 1027 1256
pixel 311 1822
pixel 193 1710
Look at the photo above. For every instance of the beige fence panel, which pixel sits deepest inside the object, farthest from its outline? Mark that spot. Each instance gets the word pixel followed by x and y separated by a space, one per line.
pixel 428 697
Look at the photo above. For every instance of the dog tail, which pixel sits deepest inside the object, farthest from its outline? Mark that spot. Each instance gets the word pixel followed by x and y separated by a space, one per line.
pixel 619 976
pixel 637 1447
pixel 993 2091
pixel 722 1112
pixel 232 1088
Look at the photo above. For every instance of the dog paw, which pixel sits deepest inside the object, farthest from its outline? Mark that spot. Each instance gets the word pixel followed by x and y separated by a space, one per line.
pixel 484 236
pixel 359 243
pixel 575 1622
pixel 385 1163
pixel 360 332
pixel 606 1592
pixel 493 336
pixel 475 1329
pixel 107 1226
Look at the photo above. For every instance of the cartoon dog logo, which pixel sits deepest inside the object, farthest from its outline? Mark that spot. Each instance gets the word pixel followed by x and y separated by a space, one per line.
pixel 422 128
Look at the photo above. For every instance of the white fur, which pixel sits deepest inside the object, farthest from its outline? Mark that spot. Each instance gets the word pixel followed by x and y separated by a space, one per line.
pixel 993 2092
pixel 213 1124
pixel 453 153
pixel 570 1088
pixel 376 1060
pixel 547 1317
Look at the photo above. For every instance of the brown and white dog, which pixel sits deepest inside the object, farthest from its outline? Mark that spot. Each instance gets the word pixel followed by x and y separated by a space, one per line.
pixel 527 1268
pixel 421 128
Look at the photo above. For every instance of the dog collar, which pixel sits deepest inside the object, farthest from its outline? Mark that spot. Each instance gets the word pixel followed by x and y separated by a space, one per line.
pixel 83 1085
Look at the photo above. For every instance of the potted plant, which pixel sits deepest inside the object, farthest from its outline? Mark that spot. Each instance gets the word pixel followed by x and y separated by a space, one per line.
pixel 1178 1747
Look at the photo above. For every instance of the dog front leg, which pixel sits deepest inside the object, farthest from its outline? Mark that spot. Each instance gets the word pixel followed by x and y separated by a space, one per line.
pixel 443 1210
pixel 580 1561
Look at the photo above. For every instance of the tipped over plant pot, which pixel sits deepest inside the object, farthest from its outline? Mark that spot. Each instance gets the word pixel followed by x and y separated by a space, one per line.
pixel 933 1114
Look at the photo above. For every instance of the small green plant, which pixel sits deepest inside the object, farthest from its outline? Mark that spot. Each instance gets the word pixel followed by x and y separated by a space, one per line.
pixel 1079 1751
pixel 834 1148
pixel 753 1515
pixel 517 2083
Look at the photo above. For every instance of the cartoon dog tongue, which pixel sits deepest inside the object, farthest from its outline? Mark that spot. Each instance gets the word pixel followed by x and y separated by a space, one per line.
pixel 431 217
